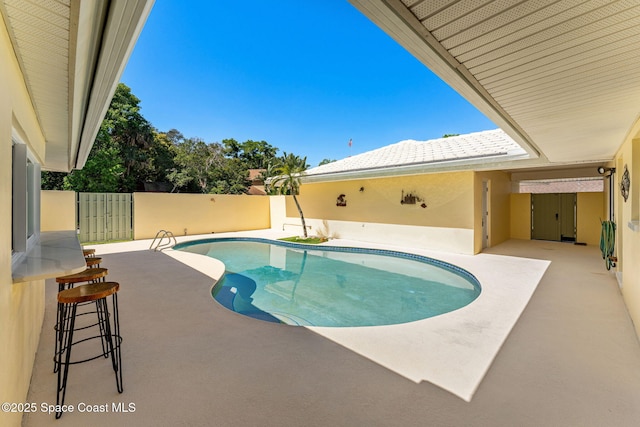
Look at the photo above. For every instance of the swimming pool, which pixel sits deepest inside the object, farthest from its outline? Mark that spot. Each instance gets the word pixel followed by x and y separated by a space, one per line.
pixel 297 284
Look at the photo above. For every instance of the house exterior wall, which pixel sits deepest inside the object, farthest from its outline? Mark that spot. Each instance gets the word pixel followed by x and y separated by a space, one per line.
pixel 375 214
pixel 520 216
pixel 627 219
pixel 499 208
pixel 186 214
pixel 21 305
pixel 589 214
pixel 61 206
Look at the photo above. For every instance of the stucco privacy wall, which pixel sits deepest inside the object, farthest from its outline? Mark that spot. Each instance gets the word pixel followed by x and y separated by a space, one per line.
pixel 21 305
pixel 278 212
pixel 374 212
pixel 627 218
pixel 197 213
pixel 58 210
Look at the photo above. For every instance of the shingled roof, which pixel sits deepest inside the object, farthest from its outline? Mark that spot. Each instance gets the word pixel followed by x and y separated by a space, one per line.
pixel 473 148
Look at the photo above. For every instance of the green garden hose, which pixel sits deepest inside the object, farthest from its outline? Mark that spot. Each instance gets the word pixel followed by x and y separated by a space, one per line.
pixel 608 242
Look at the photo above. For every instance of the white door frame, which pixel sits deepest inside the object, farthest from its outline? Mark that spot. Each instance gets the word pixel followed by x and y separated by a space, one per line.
pixel 486 217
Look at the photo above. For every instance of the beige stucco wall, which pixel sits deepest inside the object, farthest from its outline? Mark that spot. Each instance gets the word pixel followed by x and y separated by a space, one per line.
pixel 58 210
pixel 499 220
pixel 520 216
pixel 21 305
pixel 197 213
pixel 627 218
pixel 375 214
pixel 590 211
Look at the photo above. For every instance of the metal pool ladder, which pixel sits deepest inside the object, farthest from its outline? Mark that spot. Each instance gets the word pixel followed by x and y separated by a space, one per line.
pixel 160 236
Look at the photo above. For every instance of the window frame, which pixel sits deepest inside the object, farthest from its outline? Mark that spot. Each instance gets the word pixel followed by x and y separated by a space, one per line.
pixel 25 200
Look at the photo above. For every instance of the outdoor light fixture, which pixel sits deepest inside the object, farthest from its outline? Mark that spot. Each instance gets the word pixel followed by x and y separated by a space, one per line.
pixel 602 170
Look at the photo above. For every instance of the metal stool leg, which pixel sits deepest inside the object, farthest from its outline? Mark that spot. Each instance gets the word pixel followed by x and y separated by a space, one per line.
pixel 114 340
pixel 66 331
pixel 118 341
pixel 103 316
pixel 58 326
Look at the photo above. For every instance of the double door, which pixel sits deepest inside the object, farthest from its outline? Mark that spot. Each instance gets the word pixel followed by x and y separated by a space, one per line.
pixel 553 217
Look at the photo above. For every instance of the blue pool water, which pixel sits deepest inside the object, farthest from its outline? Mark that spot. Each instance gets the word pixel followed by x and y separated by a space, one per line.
pixel 333 286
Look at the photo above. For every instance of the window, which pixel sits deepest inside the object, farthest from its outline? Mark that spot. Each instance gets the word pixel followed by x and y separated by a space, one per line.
pixel 25 201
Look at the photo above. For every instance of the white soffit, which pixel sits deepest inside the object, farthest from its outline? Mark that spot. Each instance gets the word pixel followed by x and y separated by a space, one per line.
pixel 558 75
pixel 40 34
pixel 71 54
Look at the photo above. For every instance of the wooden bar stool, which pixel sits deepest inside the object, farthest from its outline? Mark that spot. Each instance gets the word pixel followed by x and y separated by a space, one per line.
pixel 90 275
pixel 69 300
pixel 88 252
pixel 93 261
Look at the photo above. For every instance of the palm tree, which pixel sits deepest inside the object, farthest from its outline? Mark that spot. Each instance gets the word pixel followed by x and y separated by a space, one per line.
pixel 287 180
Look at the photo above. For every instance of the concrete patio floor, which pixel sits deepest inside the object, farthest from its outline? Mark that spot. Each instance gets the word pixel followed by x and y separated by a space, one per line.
pixel 572 359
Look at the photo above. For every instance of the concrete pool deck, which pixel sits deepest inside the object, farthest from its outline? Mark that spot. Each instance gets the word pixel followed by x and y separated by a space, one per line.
pixel 571 359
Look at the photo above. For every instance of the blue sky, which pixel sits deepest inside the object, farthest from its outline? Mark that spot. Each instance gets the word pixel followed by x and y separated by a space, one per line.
pixel 305 76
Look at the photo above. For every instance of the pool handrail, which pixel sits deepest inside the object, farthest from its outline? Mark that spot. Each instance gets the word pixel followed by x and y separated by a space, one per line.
pixel 160 236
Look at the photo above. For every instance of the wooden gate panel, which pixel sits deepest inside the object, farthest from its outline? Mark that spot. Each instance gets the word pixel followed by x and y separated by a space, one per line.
pixel 104 217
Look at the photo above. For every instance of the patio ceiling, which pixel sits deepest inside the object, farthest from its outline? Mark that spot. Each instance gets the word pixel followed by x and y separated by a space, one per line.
pixel 559 76
pixel 71 54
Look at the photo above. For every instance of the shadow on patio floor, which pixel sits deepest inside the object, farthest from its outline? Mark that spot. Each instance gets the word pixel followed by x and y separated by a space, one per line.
pixel 572 360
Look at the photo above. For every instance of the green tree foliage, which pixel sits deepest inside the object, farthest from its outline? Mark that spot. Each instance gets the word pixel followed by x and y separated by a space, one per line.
pixel 133 137
pixel 215 168
pixel 129 153
pixel 325 161
pixel 254 154
pixel 232 177
pixel 53 180
pixel 257 154
pixel 103 170
pixel 269 173
pixel 194 160
pixel 287 181
pixel 101 174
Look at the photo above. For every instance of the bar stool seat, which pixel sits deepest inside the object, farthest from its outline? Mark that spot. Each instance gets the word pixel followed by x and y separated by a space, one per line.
pixel 90 292
pixel 88 275
pixel 93 261
pixel 109 331
pixel 89 252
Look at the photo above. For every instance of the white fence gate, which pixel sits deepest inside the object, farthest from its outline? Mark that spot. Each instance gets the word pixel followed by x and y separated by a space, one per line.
pixel 104 217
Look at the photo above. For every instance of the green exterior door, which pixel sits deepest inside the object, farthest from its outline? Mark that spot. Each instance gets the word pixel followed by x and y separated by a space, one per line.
pixel 553 217
pixel 568 217
pixel 545 218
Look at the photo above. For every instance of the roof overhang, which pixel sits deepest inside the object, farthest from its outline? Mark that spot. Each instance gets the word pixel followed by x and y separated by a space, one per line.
pixel 559 77
pixel 72 54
